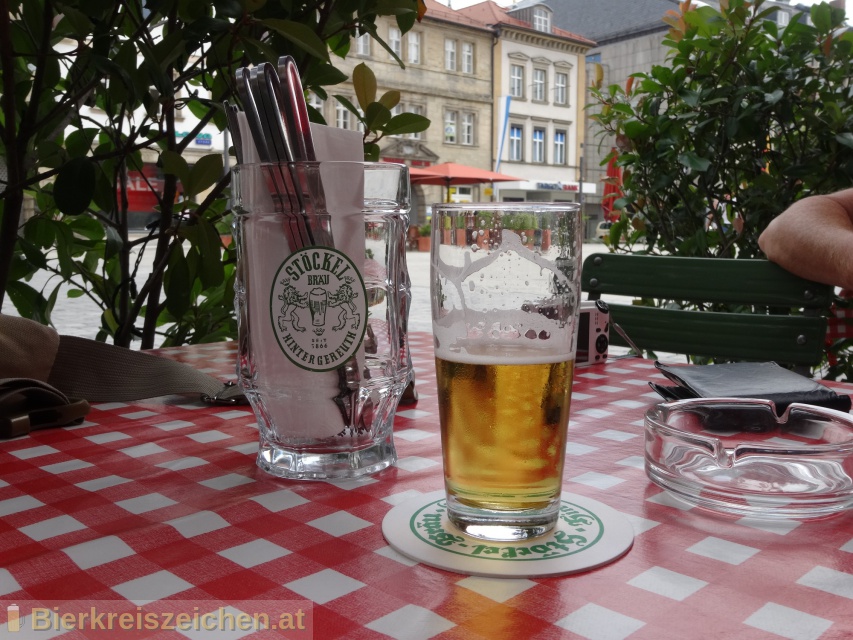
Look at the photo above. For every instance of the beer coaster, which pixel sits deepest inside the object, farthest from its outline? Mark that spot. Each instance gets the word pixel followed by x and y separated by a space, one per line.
pixel 588 534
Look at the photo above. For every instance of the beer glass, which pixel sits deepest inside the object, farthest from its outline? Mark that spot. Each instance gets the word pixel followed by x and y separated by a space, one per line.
pixel 322 297
pixel 505 285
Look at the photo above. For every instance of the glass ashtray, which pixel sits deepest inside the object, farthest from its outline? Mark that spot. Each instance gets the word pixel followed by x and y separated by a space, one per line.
pixel 739 457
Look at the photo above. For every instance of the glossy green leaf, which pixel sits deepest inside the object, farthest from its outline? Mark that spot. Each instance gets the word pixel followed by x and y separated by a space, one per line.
pixel 821 17
pixel 29 260
pixel 77 21
pixel 177 283
pixel 211 270
pixel 109 319
pixel 406 20
pixel 65 247
pixel 87 227
pixel 204 173
pixel 364 84
pixel 624 108
pixel 300 35
pixel 75 186
pixel 104 195
pixel 375 116
pixel 192 10
pixel 636 129
pixel 113 244
pixel 390 99
pixel 324 74
pixel 406 123
pixel 339 44
pixel 693 161
pixel 371 152
pixel 51 154
pixel 200 108
pixel 167 50
pixel 846 139
pixel 29 302
pixel 175 164
pixel 193 264
pixel 51 302
pixel 79 142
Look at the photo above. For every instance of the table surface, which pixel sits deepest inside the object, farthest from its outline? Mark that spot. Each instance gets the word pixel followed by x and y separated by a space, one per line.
pixel 159 502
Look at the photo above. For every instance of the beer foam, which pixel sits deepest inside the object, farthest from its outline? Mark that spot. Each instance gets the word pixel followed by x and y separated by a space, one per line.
pixel 505 305
pixel 491 353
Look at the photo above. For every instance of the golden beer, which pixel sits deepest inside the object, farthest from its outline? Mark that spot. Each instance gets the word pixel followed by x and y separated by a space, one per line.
pixel 503 429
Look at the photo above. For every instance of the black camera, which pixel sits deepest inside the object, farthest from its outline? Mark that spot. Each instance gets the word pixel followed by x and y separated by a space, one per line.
pixel 593 333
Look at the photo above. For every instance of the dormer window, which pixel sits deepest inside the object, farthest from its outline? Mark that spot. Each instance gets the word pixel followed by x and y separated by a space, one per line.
pixel 542 19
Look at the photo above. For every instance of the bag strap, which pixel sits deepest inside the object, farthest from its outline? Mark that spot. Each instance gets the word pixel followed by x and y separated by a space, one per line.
pixel 102 372
pixel 48 380
pixel 27 404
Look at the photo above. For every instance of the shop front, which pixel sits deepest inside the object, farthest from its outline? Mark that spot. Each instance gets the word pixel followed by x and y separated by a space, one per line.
pixel 542 191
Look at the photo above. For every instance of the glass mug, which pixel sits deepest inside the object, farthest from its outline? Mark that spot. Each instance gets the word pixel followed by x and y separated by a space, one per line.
pixel 505 285
pixel 322 298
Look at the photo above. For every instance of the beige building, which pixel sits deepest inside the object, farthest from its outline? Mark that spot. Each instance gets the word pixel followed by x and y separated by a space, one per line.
pixel 539 80
pixel 504 90
pixel 448 79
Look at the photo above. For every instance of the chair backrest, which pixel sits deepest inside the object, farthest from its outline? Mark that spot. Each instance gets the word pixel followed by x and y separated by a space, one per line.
pixel 771 314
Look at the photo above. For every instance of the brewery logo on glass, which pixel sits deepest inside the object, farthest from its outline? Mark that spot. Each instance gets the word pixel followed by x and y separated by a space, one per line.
pixel 318 308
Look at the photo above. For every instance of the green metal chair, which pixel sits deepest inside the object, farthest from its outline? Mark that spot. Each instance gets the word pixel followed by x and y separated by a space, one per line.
pixel 750 309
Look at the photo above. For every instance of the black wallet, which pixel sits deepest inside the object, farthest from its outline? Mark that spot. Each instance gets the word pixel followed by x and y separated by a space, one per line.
pixel 763 380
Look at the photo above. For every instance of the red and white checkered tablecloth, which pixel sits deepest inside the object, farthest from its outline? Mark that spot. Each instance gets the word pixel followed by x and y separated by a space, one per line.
pixel 840 320
pixel 159 504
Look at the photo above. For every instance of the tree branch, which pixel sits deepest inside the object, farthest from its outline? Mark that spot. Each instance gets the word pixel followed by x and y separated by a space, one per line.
pixel 14 198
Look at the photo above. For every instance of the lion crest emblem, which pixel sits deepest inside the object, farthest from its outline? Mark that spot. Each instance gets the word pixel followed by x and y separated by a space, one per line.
pixel 318 307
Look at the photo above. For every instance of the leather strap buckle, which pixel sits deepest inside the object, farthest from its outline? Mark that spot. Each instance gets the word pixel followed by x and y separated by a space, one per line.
pixel 59 416
pixel 27 405
pixel 230 394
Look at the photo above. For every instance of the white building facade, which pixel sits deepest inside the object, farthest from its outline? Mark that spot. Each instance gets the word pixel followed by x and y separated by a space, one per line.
pixel 539 80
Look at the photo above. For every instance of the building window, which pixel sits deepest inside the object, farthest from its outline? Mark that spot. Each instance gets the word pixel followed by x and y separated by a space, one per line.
pixel 450 118
pixel 516 143
pixel 561 88
pixel 539 145
pixel 783 18
pixel 395 41
pixel 516 81
pixel 467 57
pixel 450 55
pixel 539 76
pixel 342 117
pixel 467 133
pixel 418 110
pixel 542 20
pixel 362 44
pixel 315 101
pixel 559 147
pixel 414 42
